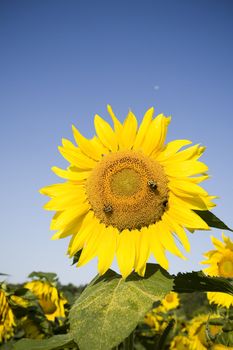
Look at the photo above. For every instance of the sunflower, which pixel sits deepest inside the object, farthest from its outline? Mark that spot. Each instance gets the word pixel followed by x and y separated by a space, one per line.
pixel 51 301
pixel 7 321
pixel 197 331
pixel 221 264
pixel 180 342
pixel 127 193
pixel 31 329
pixel 170 301
pixel 221 347
pixel 157 319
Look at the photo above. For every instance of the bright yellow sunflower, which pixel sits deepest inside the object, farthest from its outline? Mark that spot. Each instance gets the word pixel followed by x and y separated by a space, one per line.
pixel 221 347
pixel 197 332
pixel 51 300
pixel 180 342
pixel 7 321
pixel 128 193
pixel 171 301
pixel 221 264
pixel 157 319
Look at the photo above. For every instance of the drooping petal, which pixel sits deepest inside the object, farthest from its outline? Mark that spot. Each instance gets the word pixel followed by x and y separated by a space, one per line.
pixel 91 246
pixel 167 240
pixel 178 230
pixel 187 218
pixel 142 251
pixel 156 247
pixel 126 252
pixel 78 240
pixel 107 248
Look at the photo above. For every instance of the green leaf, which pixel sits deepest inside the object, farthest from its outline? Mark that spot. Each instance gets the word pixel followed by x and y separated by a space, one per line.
pixel 199 282
pixel 57 342
pixel 212 220
pixel 110 308
pixel 48 276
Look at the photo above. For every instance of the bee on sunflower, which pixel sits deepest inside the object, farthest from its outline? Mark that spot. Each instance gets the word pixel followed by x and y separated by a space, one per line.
pixel 128 194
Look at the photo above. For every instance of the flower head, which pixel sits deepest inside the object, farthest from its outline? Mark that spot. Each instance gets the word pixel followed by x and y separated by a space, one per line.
pixel 197 331
pixel 170 301
pixel 180 342
pixel 7 321
pixel 127 193
pixel 221 264
pixel 51 301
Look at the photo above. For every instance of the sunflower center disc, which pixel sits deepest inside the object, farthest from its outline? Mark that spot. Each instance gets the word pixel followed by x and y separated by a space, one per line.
pixel 48 306
pixel 125 182
pixel 226 268
pixel 128 190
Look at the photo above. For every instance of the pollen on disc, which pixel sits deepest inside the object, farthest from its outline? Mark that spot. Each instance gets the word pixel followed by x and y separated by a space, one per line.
pixel 125 182
pixel 122 181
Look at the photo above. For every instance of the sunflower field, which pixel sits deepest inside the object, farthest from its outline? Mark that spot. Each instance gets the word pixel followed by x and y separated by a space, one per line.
pixel 129 195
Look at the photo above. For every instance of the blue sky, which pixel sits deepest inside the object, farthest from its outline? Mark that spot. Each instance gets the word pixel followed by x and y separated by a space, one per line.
pixel 63 61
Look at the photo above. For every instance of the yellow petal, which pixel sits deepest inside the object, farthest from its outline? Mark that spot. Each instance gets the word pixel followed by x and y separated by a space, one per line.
pixel 91 245
pixel 142 131
pixel 68 144
pixel 171 149
pixel 156 247
pixel 217 243
pixel 71 175
pixel 186 168
pixel 86 146
pixel 193 152
pixel 77 158
pixel 167 240
pixel 187 218
pixel 67 216
pixel 186 188
pixel 117 125
pixel 66 201
pixel 128 132
pixel 105 133
pixel 58 189
pixel 156 135
pixel 142 251
pixel 126 252
pixel 107 248
pixel 78 240
pixel 178 230
pixel 71 230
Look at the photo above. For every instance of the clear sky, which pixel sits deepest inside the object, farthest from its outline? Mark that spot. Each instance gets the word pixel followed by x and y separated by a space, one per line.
pixel 63 61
